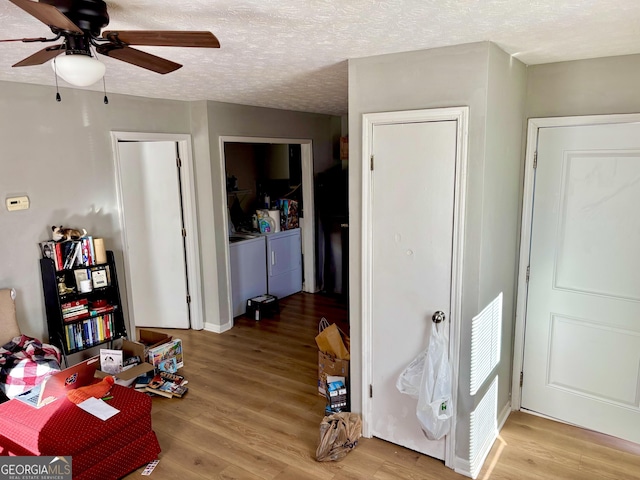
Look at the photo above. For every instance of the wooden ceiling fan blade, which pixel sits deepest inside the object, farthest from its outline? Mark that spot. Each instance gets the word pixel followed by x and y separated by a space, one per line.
pixel 139 58
pixel 48 14
pixel 41 56
pixel 164 38
pixel 25 40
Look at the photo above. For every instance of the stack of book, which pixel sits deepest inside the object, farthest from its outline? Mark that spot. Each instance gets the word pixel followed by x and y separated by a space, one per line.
pixel 75 310
pixel 166 384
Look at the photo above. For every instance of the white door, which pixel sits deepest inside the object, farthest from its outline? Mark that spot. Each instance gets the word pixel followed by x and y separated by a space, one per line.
pixel 413 183
pixel 582 337
pixel 150 190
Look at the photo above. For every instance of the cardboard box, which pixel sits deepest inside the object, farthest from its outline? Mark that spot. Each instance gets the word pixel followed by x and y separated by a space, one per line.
pixel 127 377
pixel 328 365
pixel 151 339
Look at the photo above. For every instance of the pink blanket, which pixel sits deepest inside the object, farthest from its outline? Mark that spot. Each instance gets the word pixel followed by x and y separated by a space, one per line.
pixel 24 363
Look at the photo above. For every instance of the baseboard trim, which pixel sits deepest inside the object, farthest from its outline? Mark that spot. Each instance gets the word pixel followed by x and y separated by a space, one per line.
pixel 504 414
pixel 213 327
pixel 462 466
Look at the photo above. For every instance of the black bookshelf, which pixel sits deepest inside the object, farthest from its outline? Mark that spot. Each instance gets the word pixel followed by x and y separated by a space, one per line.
pixel 98 324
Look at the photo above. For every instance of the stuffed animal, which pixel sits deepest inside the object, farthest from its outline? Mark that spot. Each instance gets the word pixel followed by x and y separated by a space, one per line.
pixel 61 234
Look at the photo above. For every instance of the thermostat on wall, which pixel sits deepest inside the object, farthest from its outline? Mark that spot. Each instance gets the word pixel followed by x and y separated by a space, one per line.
pixel 17 203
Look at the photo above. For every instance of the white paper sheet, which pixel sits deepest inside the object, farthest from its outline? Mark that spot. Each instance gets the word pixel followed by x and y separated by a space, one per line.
pixel 98 408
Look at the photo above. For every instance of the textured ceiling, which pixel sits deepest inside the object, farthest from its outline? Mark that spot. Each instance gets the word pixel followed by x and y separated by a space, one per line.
pixel 292 54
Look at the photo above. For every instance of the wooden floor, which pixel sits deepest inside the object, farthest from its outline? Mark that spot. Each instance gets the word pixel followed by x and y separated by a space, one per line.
pixel 253 412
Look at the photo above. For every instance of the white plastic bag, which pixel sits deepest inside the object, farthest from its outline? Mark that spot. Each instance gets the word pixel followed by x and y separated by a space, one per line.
pixel 428 378
pixel 410 379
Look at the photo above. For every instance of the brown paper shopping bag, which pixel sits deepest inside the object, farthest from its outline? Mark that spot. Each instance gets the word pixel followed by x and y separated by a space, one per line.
pixel 332 341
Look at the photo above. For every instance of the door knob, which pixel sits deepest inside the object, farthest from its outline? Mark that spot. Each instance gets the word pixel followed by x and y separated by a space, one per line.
pixel 438 317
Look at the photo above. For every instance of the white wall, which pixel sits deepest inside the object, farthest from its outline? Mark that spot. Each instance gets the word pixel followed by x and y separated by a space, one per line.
pixel 60 155
pixel 492 85
pixel 584 87
pixel 501 208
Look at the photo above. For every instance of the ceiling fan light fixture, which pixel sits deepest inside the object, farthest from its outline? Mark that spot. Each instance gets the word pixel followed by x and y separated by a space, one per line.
pixel 80 70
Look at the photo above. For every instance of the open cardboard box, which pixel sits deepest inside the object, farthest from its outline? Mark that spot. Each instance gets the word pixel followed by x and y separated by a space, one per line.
pixel 127 377
pixel 150 339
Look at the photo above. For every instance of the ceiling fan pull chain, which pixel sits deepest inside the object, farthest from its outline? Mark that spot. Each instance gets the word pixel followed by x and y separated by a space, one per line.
pixel 104 87
pixel 55 74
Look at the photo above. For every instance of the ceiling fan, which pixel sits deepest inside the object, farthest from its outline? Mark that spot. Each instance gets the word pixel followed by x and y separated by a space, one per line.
pixel 78 23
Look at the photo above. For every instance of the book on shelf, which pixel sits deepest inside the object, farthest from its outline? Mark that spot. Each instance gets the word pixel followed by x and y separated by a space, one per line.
pixel 58 261
pixel 89 331
pixel 99 310
pixel 74 316
pixel 70 311
pixel 92 251
pixel 76 308
pixel 70 253
pixel 86 258
pixel 74 303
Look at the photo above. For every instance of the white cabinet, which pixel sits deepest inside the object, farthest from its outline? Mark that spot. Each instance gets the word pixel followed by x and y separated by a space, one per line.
pixel 284 263
pixel 248 262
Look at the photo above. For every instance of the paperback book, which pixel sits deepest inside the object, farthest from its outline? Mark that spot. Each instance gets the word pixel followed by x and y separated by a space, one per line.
pixel 164 387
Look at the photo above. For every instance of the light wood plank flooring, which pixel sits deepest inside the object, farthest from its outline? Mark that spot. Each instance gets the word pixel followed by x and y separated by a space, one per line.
pixel 253 412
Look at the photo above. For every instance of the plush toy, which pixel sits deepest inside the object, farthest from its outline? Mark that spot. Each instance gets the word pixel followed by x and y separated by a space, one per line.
pixel 97 390
pixel 61 234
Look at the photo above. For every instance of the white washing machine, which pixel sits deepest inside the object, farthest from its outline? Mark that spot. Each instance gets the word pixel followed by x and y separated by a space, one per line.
pixel 248 262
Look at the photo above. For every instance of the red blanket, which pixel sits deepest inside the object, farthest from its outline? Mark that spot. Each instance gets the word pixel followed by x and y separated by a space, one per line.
pixel 24 363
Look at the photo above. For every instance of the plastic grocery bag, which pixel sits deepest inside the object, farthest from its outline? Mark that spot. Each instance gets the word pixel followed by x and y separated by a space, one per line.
pixel 339 434
pixel 428 378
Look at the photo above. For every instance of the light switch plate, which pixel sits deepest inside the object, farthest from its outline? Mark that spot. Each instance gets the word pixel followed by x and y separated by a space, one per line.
pixel 17 203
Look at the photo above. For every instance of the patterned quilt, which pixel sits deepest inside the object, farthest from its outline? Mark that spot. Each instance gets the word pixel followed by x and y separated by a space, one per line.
pixel 24 363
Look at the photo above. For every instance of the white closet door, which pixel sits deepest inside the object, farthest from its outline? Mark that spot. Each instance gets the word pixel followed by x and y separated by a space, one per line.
pixel 412 215
pixel 150 190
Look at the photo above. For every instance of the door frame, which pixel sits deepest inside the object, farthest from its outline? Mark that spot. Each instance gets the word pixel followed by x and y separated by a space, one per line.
pixel 308 227
pixel 192 244
pixel 533 127
pixel 369 120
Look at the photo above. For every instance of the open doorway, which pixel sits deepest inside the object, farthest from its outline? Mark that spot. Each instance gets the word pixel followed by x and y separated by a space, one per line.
pixel 270 169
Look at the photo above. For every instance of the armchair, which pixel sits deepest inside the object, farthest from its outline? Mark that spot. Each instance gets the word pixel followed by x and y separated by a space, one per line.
pixel 24 361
